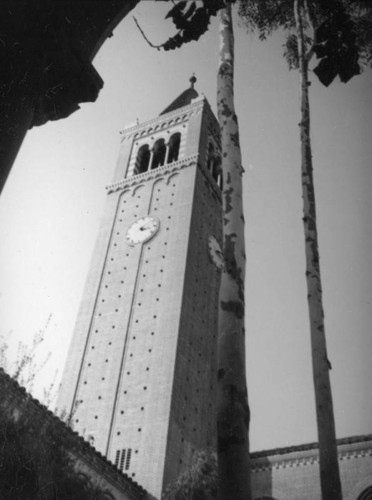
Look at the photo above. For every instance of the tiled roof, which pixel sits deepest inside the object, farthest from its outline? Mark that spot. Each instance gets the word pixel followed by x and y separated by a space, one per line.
pixel 19 391
pixel 308 446
pixel 16 391
pixel 183 99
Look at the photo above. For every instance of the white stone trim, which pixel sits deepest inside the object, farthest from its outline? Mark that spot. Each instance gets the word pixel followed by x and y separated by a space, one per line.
pixel 283 463
pixel 152 174
pixel 165 121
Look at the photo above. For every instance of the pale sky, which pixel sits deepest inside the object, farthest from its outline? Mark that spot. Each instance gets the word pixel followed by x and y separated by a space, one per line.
pixel 51 206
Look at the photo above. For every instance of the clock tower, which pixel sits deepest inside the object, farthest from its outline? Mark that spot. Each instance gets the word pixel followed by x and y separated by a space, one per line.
pixel 140 375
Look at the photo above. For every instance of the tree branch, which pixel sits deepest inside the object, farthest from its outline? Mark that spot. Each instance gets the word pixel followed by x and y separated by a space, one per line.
pixel 158 47
pixel 310 52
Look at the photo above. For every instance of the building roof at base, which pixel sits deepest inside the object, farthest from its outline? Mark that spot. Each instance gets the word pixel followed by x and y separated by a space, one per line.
pixel 309 446
pixel 7 383
pixel 14 394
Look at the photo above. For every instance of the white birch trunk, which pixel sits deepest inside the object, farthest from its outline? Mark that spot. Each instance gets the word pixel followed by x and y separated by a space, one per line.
pixel 232 407
pixel 328 460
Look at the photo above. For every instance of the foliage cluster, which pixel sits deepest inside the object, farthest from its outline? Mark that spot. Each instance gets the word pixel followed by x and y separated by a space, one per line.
pixel 35 463
pixel 28 365
pixel 191 19
pixel 199 482
pixel 35 457
pixel 341 37
pixel 339 32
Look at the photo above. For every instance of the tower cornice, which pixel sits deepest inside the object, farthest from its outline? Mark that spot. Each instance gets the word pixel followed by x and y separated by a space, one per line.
pixel 164 121
pixel 170 168
pixel 134 180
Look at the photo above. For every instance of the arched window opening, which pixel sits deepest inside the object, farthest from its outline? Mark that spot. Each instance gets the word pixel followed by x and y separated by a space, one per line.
pixel 220 181
pixel 217 171
pixel 366 494
pixel 174 147
pixel 143 159
pixel 210 159
pixel 159 154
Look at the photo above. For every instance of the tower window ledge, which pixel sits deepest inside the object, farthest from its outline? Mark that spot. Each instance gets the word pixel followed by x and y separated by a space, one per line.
pixel 133 180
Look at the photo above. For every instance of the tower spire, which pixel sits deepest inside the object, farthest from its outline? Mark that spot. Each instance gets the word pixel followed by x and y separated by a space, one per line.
pixel 183 99
pixel 192 81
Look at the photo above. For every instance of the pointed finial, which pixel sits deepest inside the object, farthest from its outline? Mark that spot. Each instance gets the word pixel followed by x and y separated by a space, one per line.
pixel 192 80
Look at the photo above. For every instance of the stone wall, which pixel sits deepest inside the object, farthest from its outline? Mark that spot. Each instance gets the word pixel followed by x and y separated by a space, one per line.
pixel 281 474
pixel 293 473
pixel 15 401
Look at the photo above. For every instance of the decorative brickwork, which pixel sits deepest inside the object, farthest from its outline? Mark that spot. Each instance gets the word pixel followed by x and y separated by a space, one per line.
pixel 153 174
pixel 168 120
pixel 293 473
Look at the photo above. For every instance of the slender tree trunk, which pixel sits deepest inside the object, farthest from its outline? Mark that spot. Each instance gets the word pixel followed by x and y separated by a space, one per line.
pixel 328 461
pixel 232 408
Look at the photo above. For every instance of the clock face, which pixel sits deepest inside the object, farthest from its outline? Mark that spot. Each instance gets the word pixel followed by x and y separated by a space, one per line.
pixel 215 252
pixel 142 230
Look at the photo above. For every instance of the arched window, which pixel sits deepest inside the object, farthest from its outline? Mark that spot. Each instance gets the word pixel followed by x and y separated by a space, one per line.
pixel 220 181
pixel 217 171
pixel 142 161
pixel 159 154
pixel 174 147
pixel 366 494
pixel 210 159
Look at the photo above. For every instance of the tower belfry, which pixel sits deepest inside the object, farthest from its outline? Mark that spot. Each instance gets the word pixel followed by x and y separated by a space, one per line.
pixel 140 373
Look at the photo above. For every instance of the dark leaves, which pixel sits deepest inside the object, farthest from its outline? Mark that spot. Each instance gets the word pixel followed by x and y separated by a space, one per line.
pixel 266 16
pixel 199 482
pixel 191 21
pixel 174 42
pixel 336 48
pixel 35 459
pixel 362 19
pixel 179 17
pixel 291 51
pixel 343 32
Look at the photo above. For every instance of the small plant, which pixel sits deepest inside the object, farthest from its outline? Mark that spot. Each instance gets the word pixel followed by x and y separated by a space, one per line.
pixel 37 459
pixel 26 366
pixel 199 482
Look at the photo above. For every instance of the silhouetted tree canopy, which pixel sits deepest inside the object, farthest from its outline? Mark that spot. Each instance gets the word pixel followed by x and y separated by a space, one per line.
pixel 341 36
pixel 338 33
pixel 191 19
pixel 35 461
